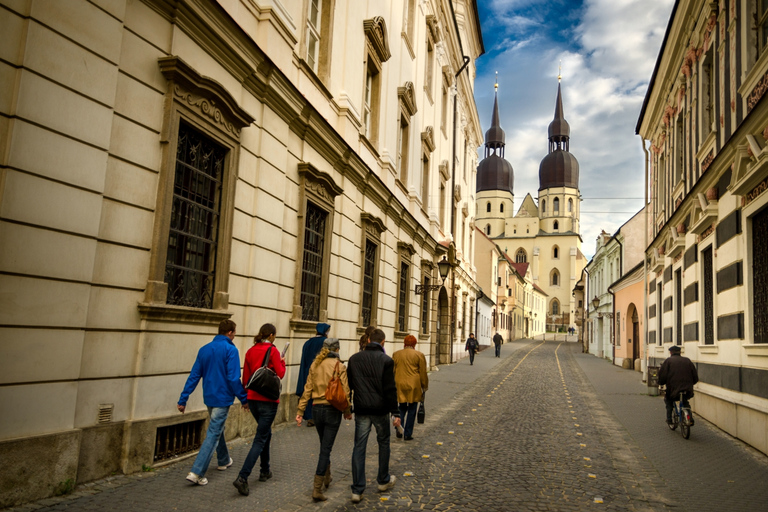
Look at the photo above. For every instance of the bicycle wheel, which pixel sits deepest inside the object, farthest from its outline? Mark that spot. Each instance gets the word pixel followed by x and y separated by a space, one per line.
pixel 673 425
pixel 685 429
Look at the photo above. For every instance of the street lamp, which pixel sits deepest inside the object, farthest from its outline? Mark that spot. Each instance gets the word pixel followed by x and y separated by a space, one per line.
pixel 596 302
pixel 443 268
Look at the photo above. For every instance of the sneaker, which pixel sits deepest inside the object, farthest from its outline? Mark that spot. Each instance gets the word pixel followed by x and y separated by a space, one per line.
pixel 195 479
pixel 242 486
pixel 387 486
pixel 356 498
pixel 264 476
pixel 225 466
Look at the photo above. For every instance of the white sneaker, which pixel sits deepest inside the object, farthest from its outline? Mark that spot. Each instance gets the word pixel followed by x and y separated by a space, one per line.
pixel 223 468
pixel 387 486
pixel 195 479
pixel 356 498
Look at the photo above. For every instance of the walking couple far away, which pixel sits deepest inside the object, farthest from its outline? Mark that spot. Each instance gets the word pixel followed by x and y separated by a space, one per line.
pixel 377 388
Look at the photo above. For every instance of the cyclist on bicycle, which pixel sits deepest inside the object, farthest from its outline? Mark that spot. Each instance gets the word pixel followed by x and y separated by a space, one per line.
pixel 679 375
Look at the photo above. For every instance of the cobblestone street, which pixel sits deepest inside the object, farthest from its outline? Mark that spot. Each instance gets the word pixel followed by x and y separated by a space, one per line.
pixel 543 428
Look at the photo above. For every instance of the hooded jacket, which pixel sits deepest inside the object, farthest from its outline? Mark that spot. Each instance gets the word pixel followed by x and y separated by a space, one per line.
pixel 371 375
pixel 309 351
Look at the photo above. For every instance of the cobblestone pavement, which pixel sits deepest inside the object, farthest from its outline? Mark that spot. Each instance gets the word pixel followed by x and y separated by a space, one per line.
pixel 543 428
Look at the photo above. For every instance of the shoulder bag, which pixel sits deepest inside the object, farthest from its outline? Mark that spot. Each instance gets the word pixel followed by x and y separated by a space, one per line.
pixel 334 392
pixel 421 412
pixel 265 381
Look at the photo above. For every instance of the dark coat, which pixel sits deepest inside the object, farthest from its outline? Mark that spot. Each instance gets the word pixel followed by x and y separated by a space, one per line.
pixel 679 374
pixel 371 376
pixel 472 344
pixel 497 339
pixel 308 353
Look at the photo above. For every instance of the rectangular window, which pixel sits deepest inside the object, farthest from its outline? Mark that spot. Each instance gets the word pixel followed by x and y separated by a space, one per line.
pixel 194 228
pixel 678 307
pixel 660 307
pixel 367 102
pixel 444 108
pixel 762 25
pixel 425 182
pixel 369 273
pixel 430 71
pixel 402 151
pixel 402 298
pixel 312 262
pixel 708 285
pixel 760 276
pixel 313 33
pixel 425 308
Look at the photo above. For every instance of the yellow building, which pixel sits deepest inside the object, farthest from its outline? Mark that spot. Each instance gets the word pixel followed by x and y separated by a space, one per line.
pixel 546 236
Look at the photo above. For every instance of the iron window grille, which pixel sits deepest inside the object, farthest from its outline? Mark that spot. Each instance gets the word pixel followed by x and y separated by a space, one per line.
pixel 402 296
pixel 312 264
pixel 425 307
pixel 368 276
pixel 709 287
pixel 174 440
pixel 194 228
pixel 760 276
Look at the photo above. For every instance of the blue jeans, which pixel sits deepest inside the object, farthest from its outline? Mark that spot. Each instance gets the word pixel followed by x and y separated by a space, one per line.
pixel 264 413
pixel 408 417
pixel 327 423
pixel 498 350
pixel 362 429
pixel 214 439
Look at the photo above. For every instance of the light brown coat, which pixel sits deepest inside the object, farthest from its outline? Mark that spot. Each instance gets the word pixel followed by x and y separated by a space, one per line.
pixel 410 375
pixel 317 381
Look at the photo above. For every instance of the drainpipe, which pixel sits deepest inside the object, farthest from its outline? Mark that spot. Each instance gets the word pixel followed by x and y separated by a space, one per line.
pixel 613 300
pixel 645 264
pixel 585 339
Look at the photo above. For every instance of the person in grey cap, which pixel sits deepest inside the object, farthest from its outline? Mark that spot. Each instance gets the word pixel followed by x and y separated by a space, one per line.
pixel 327 418
pixel 678 374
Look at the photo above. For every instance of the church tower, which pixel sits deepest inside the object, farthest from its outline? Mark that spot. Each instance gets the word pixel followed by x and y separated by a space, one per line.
pixel 559 197
pixel 495 180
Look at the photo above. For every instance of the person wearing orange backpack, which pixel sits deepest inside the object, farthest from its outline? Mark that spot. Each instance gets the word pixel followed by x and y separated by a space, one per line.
pixel 327 417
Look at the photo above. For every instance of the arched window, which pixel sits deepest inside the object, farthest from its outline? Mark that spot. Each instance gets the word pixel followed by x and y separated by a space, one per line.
pixel 555 278
pixel 501 207
pixel 521 256
pixel 488 229
pixel 556 205
pixel 555 252
pixel 555 307
pixel 488 207
pixel 543 206
pixel 570 205
pixel 556 226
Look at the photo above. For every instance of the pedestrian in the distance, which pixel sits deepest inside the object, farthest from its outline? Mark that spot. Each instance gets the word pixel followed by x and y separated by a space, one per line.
pixel 309 351
pixel 472 346
pixel 366 337
pixel 218 364
pixel 497 341
pixel 411 381
pixel 327 417
pixel 262 408
pixel 371 376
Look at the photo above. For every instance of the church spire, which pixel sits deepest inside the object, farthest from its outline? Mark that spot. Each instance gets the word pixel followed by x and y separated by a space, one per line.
pixel 494 137
pixel 559 130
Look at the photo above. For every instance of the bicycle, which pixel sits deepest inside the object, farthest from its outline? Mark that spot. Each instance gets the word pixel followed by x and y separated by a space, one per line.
pixel 681 416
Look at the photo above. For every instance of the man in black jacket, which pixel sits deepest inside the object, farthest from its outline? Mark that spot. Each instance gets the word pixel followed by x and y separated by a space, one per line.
pixel 498 340
pixel 679 375
pixel 371 375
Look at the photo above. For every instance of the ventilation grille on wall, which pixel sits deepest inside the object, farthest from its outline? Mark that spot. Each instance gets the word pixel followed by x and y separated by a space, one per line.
pixel 105 413
pixel 174 440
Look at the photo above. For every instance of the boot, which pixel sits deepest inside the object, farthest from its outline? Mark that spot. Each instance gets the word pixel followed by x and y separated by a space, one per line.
pixel 327 479
pixel 317 493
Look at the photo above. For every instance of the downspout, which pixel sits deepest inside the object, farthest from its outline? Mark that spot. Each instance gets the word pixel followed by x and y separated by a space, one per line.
pixel 587 302
pixel 645 264
pixel 613 301
pixel 480 295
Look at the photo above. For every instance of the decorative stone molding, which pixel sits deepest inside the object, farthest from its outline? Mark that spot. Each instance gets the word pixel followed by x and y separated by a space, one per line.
pixel 373 225
pixel 376 36
pixel 405 249
pixel 428 138
pixel 433 27
pixel 757 92
pixel 319 183
pixel 407 99
pixel 707 161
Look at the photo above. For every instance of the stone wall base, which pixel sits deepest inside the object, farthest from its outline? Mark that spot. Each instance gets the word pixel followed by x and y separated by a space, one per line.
pixel 746 423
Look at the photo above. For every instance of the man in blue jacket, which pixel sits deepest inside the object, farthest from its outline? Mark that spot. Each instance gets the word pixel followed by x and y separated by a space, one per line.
pixel 218 364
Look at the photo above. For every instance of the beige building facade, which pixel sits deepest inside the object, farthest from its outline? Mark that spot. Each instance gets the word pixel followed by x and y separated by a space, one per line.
pixel 167 165
pixel 705 119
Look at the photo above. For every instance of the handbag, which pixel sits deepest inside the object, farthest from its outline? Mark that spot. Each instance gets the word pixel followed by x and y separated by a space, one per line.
pixel 420 414
pixel 265 381
pixel 334 392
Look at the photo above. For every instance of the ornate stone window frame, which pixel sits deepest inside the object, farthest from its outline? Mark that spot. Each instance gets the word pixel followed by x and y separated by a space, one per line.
pixel 207 107
pixel 407 103
pixel 320 189
pixel 427 148
pixel 405 252
pixel 373 229
pixel 320 74
pixel 409 25
pixel 376 54
pixel 427 272
pixel 433 37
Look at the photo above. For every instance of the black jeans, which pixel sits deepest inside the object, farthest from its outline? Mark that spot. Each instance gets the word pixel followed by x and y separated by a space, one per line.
pixel 408 417
pixel 498 350
pixel 264 413
pixel 670 403
pixel 327 420
pixel 471 356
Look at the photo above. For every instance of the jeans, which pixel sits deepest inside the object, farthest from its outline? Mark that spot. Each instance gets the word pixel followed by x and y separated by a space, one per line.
pixel 498 350
pixel 362 429
pixel 408 417
pixel 471 356
pixel 327 423
pixel 214 438
pixel 264 413
pixel 670 403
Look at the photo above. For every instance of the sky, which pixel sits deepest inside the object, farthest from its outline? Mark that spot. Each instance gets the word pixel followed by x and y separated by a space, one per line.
pixel 607 50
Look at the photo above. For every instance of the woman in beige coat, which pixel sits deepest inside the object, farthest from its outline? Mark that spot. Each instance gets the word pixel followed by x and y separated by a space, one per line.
pixel 411 381
pixel 327 418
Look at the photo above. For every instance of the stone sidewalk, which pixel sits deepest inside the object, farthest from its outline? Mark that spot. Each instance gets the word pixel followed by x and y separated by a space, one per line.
pixel 519 448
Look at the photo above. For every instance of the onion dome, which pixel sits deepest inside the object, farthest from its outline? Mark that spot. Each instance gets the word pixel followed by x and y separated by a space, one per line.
pixel 494 172
pixel 559 168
